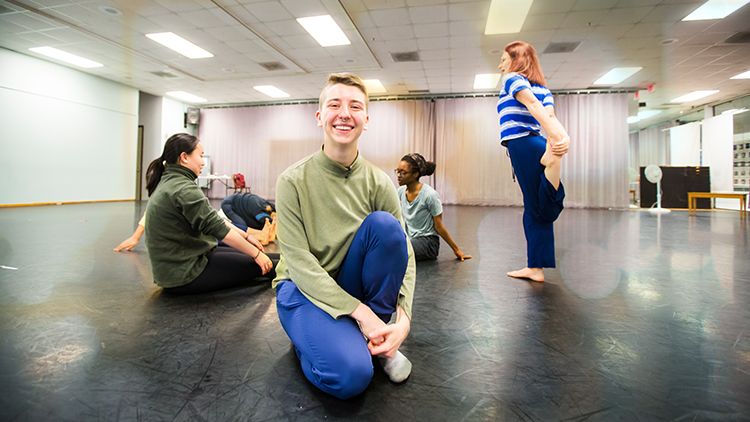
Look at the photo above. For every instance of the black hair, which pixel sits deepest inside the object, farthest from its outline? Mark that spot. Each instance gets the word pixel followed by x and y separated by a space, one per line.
pixel 419 164
pixel 175 146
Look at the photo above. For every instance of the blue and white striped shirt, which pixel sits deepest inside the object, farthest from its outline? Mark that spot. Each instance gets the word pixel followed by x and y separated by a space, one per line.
pixel 515 119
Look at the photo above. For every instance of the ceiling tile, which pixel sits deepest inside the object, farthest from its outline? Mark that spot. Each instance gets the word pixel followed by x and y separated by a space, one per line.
pixel 268 11
pixel 593 4
pixel 303 8
pixel 669 13
pixel 547 7
pixel 384 4
pixel 469 11
pixel 543 22
pixel 396 32
pixel 433 43
pixel 390 17
pixel 431 30
pixel 428 14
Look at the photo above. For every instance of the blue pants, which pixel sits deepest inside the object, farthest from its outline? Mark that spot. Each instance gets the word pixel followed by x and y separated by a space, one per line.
pixel 542 204
pixel 333 352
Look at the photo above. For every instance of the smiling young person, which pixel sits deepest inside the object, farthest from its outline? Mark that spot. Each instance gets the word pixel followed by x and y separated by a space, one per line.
pixel 525 107
pixel 182 229
pixel 346 265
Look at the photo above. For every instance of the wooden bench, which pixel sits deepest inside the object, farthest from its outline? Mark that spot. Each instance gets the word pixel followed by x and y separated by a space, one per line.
pixel 742 196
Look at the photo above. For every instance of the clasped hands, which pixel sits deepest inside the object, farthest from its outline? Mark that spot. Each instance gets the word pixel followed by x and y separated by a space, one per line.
pixel 383 339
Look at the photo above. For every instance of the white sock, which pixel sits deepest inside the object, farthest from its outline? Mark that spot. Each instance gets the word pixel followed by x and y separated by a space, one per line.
pixel 398 367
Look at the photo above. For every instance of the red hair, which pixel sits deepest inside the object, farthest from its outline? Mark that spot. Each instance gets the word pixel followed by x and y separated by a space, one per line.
pixel 523 60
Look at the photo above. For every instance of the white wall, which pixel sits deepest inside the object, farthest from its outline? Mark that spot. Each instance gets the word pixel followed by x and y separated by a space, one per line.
pixel 685 145
pixel 718 134
pixel 149 116
pixel 161 118
pixel 172 119
pixel 65 135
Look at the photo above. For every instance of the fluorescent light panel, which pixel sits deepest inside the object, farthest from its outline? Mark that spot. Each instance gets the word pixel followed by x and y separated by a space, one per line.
pixel 271 91
pixel 180 45
pixel 642 115
pixel 617 75
pixel 66 57
pixel 506 16
pixel 186 96
pixel 486 80
pixel 715 9
pixel 325 30
pixel 743 75
pixel 374 86
pixel 695 95
pixel 734 111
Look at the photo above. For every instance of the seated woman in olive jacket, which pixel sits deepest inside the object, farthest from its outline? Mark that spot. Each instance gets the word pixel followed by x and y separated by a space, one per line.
pixel 183 229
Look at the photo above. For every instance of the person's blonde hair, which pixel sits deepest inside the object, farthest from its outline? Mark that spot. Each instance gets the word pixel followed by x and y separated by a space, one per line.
pixel 344 78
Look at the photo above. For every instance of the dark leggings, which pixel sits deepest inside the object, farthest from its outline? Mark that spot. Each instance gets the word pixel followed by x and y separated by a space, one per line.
pixel 426 248
pixel 542 203
pixel 226 268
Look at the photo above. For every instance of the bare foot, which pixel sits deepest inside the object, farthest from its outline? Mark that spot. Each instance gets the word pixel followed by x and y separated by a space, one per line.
pixel 272 235
pixel 552 163
pixel 533 274
pixel 267 229
pixel 549 158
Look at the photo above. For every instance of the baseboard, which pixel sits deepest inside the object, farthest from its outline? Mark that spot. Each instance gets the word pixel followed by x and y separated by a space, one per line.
pixel 43 204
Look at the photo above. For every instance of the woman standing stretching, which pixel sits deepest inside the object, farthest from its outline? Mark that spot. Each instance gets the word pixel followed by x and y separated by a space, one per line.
pixel 525 108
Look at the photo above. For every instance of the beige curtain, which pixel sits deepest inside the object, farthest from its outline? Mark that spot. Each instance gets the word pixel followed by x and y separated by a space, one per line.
pixel 460 135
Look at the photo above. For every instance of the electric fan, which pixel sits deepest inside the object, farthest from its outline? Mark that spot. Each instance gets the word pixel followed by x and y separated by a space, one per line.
pixel 653 174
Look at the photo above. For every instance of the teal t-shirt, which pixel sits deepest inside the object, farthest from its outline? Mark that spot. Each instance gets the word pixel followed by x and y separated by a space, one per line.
pixel 419 214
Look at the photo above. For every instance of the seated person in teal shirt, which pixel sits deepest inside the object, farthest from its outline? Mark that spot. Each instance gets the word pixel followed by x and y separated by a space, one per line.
pixel 422 210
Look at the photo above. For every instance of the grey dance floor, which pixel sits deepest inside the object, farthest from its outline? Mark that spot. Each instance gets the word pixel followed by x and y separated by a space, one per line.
pixel 644 319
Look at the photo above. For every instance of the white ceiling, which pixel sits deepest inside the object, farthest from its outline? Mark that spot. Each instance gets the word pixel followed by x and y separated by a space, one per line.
pixel 447 34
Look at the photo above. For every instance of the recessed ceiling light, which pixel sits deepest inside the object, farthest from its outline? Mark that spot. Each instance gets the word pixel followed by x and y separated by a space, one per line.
pixel 113 11
pixel 617 75
pixel 186 96
pixel 180 45
pixel 506 16
pixel 486 80
pixel 66 57
pixel 743 75
pixel 715 9
pixel 325 30
pixel 695 95
pixel 271 91
pixel 374 86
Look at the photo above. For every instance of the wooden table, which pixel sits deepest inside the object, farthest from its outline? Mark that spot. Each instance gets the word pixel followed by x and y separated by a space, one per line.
pixel 742 196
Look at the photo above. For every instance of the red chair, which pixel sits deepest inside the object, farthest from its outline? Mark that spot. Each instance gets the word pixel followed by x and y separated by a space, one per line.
pixel 239 183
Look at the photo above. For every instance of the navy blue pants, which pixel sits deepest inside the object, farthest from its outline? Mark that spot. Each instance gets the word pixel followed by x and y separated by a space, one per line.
pixel 332 352
pixel 542 204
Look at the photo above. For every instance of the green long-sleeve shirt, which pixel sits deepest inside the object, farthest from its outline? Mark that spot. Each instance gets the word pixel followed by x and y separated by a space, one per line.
pixel 320 204
pixel 182 228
